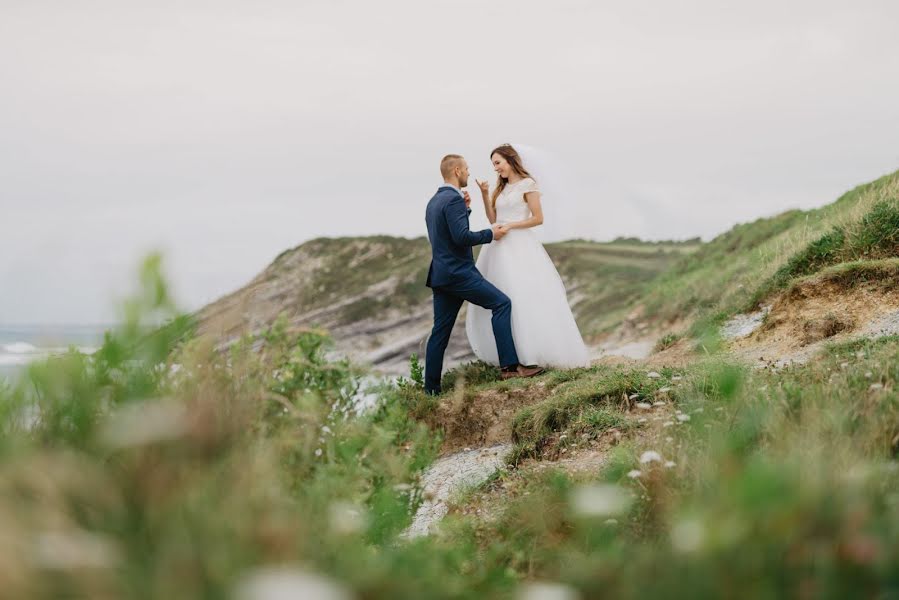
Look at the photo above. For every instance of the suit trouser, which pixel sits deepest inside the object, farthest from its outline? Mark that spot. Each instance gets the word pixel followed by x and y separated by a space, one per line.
pixel 447 302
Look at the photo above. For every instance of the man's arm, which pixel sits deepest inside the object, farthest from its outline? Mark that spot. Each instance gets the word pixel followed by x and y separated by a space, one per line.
pixel 457 220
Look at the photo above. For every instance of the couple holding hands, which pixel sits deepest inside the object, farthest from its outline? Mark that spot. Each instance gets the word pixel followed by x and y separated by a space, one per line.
pixel 518 315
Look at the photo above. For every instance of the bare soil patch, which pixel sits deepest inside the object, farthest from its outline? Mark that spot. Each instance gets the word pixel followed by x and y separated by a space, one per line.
pixel 483 418
pixel 814 312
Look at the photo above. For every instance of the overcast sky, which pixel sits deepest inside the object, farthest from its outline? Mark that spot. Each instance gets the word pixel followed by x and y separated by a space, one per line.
pixel 224 132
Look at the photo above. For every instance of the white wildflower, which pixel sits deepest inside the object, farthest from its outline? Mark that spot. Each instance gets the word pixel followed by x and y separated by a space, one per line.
pixel 547 591
pixel 687 535
pixel 346 517
pixel 600 500
pixel 650 456
pixel 74 550
pixel 285 583
pixel 634 473
pixel 670 464
pixel 683 418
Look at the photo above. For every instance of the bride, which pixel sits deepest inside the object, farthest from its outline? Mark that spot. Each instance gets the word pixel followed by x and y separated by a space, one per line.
pixel 543 327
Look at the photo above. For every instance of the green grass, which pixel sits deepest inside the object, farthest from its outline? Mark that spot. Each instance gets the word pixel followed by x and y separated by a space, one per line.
pixel 666 341
pixel 597 395
pixel 800 464
pixel 741 268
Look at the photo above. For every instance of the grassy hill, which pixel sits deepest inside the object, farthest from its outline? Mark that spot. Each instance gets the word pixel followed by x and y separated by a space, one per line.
pixel 746 266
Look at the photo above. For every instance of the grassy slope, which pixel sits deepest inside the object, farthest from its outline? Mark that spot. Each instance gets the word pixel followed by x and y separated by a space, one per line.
pixel 742 267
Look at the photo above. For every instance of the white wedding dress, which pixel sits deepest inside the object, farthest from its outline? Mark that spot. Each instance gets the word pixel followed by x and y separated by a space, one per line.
pixel 543 327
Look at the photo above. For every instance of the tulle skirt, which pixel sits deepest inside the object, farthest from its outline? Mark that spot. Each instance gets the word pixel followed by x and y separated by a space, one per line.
pixel 543 327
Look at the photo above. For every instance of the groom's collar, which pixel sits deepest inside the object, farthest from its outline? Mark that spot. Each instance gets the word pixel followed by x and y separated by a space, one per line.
pixel 452 187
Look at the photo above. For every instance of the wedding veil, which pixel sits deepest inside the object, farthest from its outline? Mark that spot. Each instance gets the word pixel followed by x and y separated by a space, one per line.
pixel 551 177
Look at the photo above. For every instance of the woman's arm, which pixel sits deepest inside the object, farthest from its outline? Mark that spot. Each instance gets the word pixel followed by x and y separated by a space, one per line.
pixel 533 200
pixel 488 204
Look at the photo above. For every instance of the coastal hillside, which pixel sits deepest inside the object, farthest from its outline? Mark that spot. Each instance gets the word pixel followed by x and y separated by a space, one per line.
pixel 369 293
pixel 696 471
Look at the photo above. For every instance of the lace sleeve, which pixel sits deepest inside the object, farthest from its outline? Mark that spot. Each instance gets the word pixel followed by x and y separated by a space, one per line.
pixel 529 185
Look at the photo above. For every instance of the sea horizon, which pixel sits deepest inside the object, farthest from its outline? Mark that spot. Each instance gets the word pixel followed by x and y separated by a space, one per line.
pixel 22 344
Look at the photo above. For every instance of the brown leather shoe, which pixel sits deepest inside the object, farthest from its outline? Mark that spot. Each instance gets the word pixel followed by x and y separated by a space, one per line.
pixel 522 371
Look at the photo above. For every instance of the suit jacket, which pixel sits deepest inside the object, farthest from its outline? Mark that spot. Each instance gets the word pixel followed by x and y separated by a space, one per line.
pixel 451 239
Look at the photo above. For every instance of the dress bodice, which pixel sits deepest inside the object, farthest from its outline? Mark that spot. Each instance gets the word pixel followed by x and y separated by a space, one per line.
pixel 510 204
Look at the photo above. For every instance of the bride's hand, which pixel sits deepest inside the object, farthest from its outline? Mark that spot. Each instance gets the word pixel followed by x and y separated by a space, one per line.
pixel 485 187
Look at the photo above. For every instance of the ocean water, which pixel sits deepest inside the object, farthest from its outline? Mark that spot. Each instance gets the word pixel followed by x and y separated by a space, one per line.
pixel 22 344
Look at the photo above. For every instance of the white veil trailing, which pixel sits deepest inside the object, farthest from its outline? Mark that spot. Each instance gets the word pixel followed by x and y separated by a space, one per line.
pixel 552 179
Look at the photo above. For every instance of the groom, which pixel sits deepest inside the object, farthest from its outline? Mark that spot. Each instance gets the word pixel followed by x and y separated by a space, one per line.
pixel 453 277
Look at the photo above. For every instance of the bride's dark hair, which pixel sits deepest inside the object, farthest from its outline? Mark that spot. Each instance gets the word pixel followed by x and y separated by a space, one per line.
pixel 514 160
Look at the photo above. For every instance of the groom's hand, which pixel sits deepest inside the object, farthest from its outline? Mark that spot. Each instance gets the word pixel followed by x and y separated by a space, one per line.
pixel 498 232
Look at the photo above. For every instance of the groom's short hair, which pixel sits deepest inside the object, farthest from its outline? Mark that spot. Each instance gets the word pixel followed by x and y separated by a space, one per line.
pixel 449 162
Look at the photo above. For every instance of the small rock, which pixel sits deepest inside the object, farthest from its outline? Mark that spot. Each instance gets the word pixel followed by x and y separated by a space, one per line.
pixel 676 378
pixel 659 403
pixel 653 375
pixel 869 375
pixel 634 474
pixel 644 405
pixel 875 386
pixel 683 418
pixel 664 390
pixel 633 396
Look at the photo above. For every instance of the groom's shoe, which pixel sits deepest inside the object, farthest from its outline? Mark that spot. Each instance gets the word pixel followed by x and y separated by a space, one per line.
pixel 521 371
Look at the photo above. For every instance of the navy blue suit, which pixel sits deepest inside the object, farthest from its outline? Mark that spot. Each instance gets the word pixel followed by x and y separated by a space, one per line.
pixel 453 278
